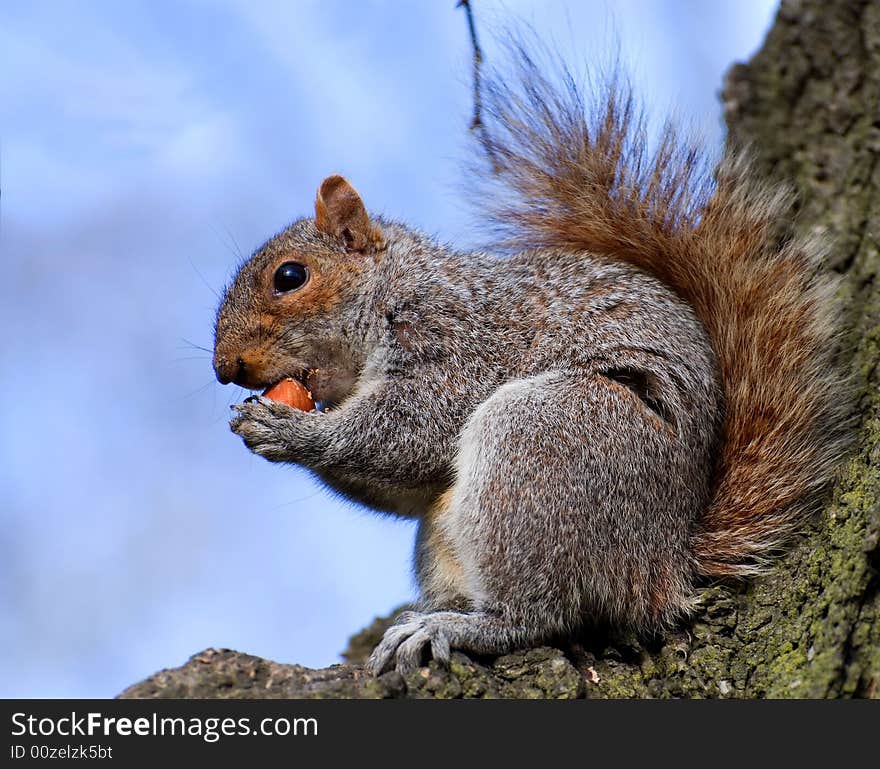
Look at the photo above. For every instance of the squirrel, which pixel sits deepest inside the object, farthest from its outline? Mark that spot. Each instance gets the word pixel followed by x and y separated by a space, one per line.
pixel 636 391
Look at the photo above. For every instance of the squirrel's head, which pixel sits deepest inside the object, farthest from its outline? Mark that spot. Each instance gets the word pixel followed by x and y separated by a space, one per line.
pixel 289 311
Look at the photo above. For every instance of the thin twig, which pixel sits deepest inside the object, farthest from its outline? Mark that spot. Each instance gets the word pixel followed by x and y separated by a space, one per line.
pixel 477 125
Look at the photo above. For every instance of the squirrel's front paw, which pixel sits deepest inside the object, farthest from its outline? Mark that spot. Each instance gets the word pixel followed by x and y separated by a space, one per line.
pixel 403 643
pixel 266 427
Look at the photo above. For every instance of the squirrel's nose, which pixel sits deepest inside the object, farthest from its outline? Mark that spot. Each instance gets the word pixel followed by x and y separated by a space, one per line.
pixel 229 369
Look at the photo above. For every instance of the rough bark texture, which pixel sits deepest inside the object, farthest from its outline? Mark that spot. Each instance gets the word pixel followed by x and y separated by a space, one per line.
pixel 809 106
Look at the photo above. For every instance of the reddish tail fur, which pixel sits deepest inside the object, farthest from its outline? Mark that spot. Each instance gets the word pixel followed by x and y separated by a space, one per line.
pixel 581 178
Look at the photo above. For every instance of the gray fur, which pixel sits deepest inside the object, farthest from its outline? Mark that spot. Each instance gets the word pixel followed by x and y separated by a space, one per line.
pixel 568 405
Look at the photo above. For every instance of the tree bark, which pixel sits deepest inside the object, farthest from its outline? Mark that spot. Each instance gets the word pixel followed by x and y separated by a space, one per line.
pixel 808 106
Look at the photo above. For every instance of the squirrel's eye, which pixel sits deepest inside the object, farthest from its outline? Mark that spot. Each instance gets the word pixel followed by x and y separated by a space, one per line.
pixel 290 276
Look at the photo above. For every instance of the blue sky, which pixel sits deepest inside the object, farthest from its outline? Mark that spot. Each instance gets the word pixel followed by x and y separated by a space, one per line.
pixel 145 147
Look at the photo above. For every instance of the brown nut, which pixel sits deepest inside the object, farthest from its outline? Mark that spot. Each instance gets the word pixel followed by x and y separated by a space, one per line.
pixel 292 393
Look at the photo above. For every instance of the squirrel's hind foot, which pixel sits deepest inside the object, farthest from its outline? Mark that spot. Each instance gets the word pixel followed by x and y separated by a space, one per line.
pixel 404 643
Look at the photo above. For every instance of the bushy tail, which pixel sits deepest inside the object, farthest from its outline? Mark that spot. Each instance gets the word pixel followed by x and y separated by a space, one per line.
pixel 582 177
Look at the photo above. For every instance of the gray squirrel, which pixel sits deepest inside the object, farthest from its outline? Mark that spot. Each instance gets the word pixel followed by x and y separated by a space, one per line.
pixel 638 393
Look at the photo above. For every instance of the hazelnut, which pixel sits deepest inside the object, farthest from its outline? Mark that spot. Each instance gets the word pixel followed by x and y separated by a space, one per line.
pixel 292 393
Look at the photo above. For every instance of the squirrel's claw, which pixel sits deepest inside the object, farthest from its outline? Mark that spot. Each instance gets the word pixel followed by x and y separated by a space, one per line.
pixel 262 423
pixel 383 655
pixel 403 644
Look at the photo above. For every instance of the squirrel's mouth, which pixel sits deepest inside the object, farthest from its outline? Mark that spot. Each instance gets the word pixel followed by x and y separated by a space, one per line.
pixel 302 376
pixel 322 389
pixel 307 394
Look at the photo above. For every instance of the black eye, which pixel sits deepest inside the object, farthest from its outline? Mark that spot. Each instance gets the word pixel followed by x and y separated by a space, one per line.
pixel 289 277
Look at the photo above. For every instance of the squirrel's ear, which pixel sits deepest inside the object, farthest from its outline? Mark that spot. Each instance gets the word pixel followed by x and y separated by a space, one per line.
pixel 340 213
